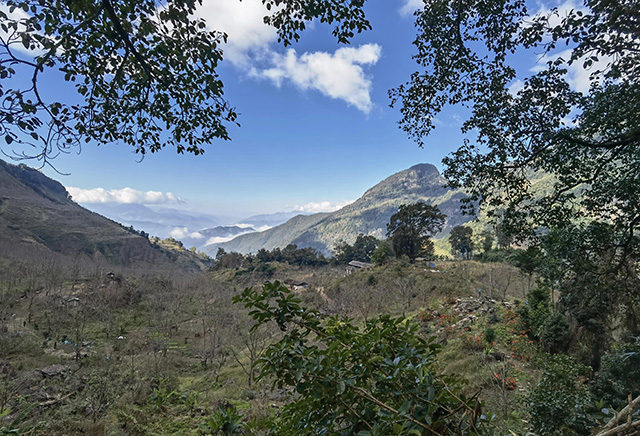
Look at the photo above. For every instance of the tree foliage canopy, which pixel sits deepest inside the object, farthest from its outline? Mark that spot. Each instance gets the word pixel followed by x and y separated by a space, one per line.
pixel 587 140
pixel 361 250
pixel 411 228
pixel 146 73
pixel 461 241
pixel 555 162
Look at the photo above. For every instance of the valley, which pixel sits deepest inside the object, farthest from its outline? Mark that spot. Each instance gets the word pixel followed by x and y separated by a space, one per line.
pixel 218 218
pixel 106 330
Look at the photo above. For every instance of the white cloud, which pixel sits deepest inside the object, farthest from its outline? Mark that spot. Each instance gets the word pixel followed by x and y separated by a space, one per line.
pixel 322 206
pixel 410 6
pixel 179 232
pixel 516 86
pixel 339 75
pixel 244 225
pixel 219 239
pixel 21 17
pixel 578 77
pixel 183 232
pixel 252 227
pixel 556 16
pixel 243 22
pixel 125 195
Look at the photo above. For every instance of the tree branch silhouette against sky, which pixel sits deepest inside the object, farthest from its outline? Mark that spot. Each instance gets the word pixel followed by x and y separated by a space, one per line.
pixel 315 129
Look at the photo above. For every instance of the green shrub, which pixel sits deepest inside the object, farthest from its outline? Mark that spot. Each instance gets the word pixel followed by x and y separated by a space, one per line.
pixel 619 376
pixel 537 310
pixel 381 253
pixel 554 333
pixel 266 269
pixel 559 403
pixel 380 378
pixel 225 421
pixel 489 335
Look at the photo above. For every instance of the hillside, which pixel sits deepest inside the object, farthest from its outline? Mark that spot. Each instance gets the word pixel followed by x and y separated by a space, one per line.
pixel 37 216
pixel 369 214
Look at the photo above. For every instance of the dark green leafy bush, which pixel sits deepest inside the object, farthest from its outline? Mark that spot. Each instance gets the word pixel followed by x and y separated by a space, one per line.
pixel 619 376
pixel 379 379
pixel 560 402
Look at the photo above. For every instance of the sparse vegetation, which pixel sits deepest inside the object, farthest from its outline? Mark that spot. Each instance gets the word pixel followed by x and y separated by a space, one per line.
pixel 124 353
pixel 105 331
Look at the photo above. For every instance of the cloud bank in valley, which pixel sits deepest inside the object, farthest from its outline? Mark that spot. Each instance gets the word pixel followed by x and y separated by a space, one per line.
pixel 183 232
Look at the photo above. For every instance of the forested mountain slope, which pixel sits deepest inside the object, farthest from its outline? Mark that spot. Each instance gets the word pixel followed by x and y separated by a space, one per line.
pixel 369 214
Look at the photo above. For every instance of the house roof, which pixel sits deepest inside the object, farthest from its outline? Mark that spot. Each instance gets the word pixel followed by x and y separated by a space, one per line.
pixel 358 264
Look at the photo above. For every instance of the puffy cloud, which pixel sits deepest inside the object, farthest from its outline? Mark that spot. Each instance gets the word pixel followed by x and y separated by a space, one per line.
pixel 410 6
pixel 243 22
pixel 179 232
pixel 183 232
pixel 125 195
pixel 581 78
pixel 516 87
pixel 322 206
pixel 339 75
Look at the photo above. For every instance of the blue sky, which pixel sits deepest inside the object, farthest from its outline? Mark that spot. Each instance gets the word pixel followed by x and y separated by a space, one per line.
pixel 316 127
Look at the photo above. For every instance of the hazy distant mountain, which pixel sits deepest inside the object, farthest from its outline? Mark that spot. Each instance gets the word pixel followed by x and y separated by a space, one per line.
pixel 155 220
pixel 270 220
pixel 278 236
pixel 369 214
pixel 37 216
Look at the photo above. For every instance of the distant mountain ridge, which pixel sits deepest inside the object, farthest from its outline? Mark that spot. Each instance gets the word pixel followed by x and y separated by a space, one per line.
pixel 157 221
pixel 369 214
pixel 271 219
pixel 193 229
pixel 38 216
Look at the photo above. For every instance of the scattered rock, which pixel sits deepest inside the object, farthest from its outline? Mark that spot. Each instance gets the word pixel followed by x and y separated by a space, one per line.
pixel 500 357
pixel 54 370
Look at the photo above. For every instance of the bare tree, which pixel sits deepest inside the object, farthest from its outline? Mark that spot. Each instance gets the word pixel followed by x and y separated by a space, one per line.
pixel 254 341
pixel 406 290
pixel 499 280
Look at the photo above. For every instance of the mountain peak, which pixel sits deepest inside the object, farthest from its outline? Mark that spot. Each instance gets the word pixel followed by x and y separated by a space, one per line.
pixel 420 179
pixel 368 215
pixel 425 169
pixel 21 180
